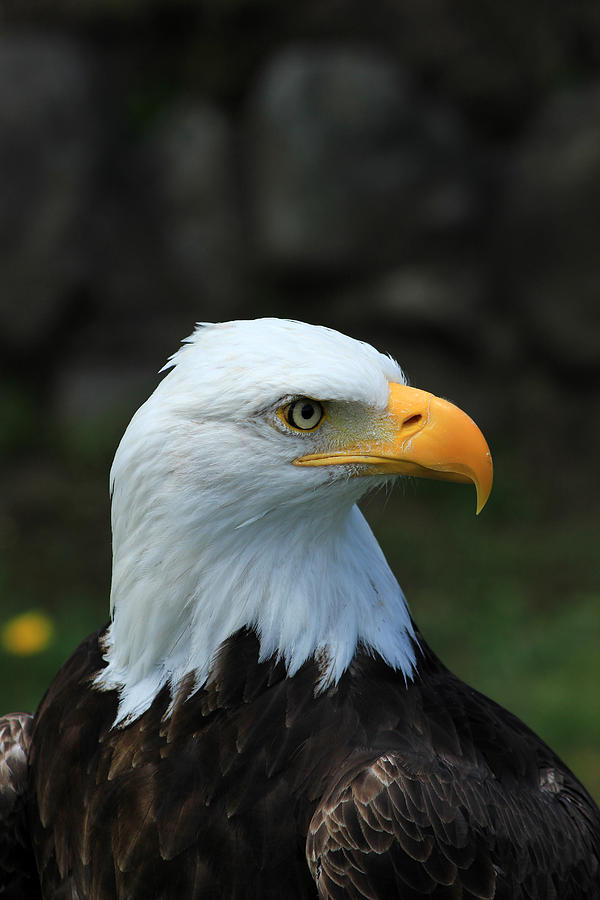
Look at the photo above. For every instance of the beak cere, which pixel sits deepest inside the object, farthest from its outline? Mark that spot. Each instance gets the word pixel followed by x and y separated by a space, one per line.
pixel 420 435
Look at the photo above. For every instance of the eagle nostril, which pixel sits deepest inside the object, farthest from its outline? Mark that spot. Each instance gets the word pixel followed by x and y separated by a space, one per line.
pixel 412 420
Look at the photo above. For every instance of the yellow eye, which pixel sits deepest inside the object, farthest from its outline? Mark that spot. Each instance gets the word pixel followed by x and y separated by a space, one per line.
pixel 304 414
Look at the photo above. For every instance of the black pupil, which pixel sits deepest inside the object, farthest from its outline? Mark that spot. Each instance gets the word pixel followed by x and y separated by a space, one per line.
pixel 307 411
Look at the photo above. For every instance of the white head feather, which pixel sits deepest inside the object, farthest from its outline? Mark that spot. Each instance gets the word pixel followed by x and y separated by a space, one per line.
pixel 215 529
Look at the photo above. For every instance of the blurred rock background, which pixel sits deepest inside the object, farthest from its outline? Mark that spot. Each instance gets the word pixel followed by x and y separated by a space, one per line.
pixel 424 175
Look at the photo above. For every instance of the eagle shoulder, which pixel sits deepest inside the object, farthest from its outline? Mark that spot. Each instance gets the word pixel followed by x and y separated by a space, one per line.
pixel 18 876
pixel 413 827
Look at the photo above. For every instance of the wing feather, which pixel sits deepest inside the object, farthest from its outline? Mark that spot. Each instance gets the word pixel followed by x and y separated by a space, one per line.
pixel 18 876
pixel 398 828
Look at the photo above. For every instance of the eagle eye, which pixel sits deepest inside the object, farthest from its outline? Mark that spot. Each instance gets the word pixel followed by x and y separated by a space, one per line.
pixel 303 414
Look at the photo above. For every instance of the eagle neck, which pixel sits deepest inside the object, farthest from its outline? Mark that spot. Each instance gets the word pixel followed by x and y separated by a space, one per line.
pixel 319 587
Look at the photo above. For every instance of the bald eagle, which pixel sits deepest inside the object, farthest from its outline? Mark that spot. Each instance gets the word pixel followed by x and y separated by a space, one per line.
pixel 261 718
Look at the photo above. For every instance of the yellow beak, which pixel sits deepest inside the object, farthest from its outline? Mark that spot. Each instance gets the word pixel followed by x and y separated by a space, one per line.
pixel 421 435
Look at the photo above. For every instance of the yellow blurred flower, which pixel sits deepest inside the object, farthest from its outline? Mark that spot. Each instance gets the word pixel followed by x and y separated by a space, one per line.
pixel 29 633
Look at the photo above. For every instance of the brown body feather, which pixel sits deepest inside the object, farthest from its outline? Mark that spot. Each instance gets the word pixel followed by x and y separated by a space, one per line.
pixel 255 788
pixel 18 876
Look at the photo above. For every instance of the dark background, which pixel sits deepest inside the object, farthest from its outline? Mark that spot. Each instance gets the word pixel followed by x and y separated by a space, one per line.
pixel 424 175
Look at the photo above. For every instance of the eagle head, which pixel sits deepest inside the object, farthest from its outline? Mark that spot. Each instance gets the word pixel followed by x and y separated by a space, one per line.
pixel 234 495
